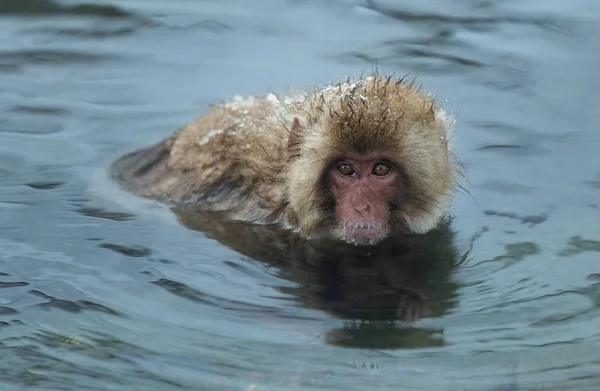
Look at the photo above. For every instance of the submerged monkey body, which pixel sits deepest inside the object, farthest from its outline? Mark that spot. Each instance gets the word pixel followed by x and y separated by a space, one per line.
pixel 357 161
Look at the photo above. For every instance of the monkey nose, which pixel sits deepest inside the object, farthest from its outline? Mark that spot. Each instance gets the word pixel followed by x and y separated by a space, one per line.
pixel 362 208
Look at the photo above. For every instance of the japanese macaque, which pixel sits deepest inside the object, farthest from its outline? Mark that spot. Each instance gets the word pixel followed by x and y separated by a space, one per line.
pixel 357 162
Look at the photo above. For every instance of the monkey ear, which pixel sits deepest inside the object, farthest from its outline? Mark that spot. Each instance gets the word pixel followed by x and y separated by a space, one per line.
pixel 295 136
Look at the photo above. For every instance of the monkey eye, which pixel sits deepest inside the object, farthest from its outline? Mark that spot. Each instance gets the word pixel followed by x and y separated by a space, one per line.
pixel 345 169
pixel 381 169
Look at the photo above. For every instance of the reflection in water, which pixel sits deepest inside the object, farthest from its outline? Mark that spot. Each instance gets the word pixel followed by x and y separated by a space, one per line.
pixel 381 291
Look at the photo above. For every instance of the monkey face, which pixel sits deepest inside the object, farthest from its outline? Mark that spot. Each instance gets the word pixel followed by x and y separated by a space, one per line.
pixel 363 188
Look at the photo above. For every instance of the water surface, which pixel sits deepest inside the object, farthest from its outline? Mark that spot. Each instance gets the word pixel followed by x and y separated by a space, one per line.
pixel 103 291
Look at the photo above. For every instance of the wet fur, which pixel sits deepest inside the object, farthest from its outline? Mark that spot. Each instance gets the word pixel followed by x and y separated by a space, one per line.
pixel 263 159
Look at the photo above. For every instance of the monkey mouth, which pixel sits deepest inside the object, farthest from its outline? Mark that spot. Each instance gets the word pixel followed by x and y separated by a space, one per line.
pixel 361 234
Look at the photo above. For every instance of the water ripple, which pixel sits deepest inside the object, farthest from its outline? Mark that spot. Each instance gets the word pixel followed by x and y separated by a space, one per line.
pixel 57 57
pixel 50 7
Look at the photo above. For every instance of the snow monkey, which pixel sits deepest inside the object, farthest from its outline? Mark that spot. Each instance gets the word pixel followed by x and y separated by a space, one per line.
pixel 358 161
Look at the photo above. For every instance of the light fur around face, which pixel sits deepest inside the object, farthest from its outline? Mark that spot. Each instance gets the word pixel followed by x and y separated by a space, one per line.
pixel 264 159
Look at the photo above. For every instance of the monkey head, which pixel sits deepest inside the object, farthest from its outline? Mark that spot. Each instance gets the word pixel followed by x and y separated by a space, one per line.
pixel 368 159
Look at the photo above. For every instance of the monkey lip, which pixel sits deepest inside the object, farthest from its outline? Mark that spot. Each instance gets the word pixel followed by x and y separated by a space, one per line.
pixel 362 233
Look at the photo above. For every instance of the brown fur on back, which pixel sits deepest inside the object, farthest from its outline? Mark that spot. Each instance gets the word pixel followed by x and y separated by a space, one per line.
pixel 227 160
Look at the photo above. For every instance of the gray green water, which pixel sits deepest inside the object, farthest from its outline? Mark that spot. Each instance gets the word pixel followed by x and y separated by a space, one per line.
pixel 102 291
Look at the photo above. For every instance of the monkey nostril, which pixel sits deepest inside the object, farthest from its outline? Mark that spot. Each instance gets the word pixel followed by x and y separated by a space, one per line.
pixel 362 208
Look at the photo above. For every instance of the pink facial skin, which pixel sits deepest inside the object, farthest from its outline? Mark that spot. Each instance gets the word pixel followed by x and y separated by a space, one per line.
pixel 363 188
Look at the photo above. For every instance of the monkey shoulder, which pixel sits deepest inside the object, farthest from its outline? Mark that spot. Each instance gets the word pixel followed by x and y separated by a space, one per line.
pixel 242 129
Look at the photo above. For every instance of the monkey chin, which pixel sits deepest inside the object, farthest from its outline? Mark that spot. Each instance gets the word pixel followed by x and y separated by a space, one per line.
pixel 361 233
